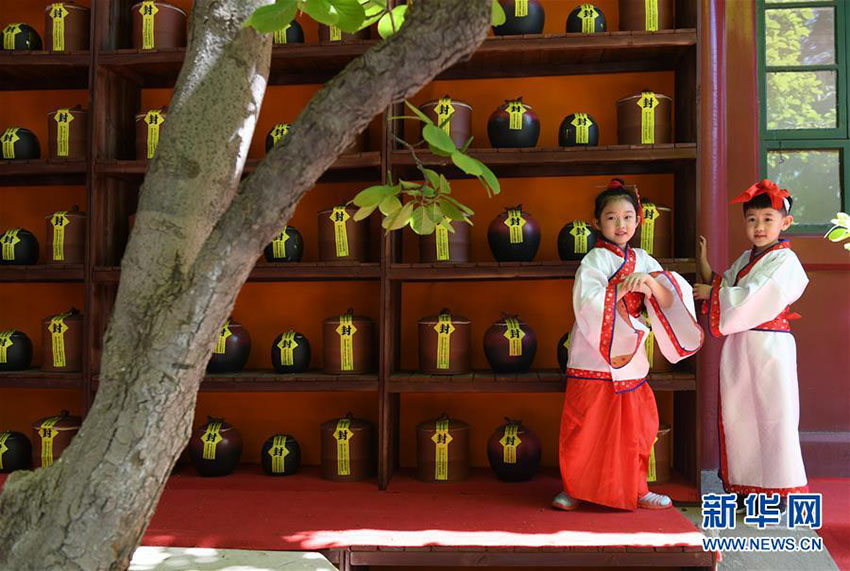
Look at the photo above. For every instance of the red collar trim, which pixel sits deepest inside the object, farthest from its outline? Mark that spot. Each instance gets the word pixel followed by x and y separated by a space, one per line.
pixel 754 258
pixel 614 248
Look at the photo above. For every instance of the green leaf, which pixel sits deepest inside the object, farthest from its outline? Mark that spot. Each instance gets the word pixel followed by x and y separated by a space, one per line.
pixel 463 207
pixel 451 211
pixel 445 187
pixel 434 213
pixel 467 164
pixel 438 139
pixel 433 177
pixel 407 185
pixel 837 234
pixel 320 10
pixel 364 212
pixel 420 222
pixel 390 205
pixel 391 22
pixel 466 144
pixel 497 14
pixel 489 179
pixel 373 195
pixel 268 19
pixel 400 219
pixel 350 14
pixel 422 117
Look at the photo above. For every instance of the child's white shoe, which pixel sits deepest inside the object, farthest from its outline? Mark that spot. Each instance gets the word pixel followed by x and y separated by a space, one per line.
pixel 565 502
pixel 653 501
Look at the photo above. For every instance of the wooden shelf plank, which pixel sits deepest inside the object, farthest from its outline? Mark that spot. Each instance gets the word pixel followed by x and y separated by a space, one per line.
pixel 42 173
pixel 271 382
pixel 37 379
pixel 264 272
pixel 515 56
pixel 43 273
pixel 563 161
pixel 507 270
pixel 348 167
pixel 20 71
pixel 541 381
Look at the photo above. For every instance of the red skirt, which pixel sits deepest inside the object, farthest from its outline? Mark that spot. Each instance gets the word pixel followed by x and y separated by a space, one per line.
pixel 606 439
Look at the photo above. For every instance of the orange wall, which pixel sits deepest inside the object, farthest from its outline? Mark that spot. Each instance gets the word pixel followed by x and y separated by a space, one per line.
pixel 268 309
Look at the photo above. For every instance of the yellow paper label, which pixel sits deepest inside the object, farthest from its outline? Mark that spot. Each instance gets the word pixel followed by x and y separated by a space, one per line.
pixel 520 8
pixel 211 438
pixel 10 137
pixel 340 216
pixel 279 132
pixel 148 10
pixel 57 336
pixel 651 9
pixel 651 474
pixel 516 110
pixel 223 334
pixel 9 240
pixel 9 33
pixel 647 103
pixel 336 34
pixel 343 435
pixel 57 14
pixel 567 342
pixel 59 220
pixel 647 232
pixel 5 343
pixel 287 345
pixel 445 110
pixel 280 35
pixel 278 452
pixel 4 436
pixel 444 329
pixel 279 243
pixel 515 222
pixel 63 120
pixel 650 348
pixel 580 233
pixel 346 331
pixel 588 14
pixel 514 334
pixel 442 439
pixel 154 120
pixel 582 124
pixel 442 240
pixel 510 442
pixel 47 434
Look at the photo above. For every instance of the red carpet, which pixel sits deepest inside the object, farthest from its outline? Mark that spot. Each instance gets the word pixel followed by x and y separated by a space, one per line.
pixel 249 510
pixel 836 517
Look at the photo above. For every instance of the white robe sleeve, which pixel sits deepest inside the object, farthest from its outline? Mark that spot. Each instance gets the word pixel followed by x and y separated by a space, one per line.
pixel 676 330
pixel 602 320
pixel 772 285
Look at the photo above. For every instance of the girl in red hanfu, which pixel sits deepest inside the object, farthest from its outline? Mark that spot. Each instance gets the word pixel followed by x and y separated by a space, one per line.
pixel 610 419
pixel 750 305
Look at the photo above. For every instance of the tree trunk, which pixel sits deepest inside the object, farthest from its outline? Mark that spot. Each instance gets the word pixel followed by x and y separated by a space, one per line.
pixel 197 235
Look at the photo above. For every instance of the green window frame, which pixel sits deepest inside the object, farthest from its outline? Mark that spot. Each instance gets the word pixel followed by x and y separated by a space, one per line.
pixel 836 138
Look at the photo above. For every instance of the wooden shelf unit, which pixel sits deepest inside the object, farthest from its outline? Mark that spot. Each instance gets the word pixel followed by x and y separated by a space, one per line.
pixel 115 77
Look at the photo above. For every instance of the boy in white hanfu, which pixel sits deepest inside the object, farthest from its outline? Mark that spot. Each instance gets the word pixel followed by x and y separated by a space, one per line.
pixel 759 407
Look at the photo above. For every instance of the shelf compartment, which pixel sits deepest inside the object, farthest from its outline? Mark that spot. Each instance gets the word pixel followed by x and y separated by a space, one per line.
pixel 263 272
pixel 267 381
pixel 353 166
pixel 42 173
pixel 43 273
pixel 37 379
pixel 23 71
pixel 564 161
pixel 540 381
pixel 515 56
pixel 507 270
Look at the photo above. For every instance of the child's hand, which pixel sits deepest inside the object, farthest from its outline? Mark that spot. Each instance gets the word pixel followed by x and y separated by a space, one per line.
pixel 702 249
pixel 702 291
pixel 645 290
pixel 634 281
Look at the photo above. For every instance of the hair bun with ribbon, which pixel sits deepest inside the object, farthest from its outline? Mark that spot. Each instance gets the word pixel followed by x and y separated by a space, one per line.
pixel 778 196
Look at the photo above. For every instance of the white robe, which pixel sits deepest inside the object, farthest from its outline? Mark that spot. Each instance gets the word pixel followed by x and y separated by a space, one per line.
pixel 609 344
pixel 759 400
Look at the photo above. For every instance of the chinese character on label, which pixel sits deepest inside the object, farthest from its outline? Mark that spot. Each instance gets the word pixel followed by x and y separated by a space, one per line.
pixel 763 510
pixel 718 511
pixel 804 510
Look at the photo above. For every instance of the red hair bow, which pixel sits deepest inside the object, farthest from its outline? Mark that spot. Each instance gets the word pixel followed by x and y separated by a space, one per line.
pixel 768 187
